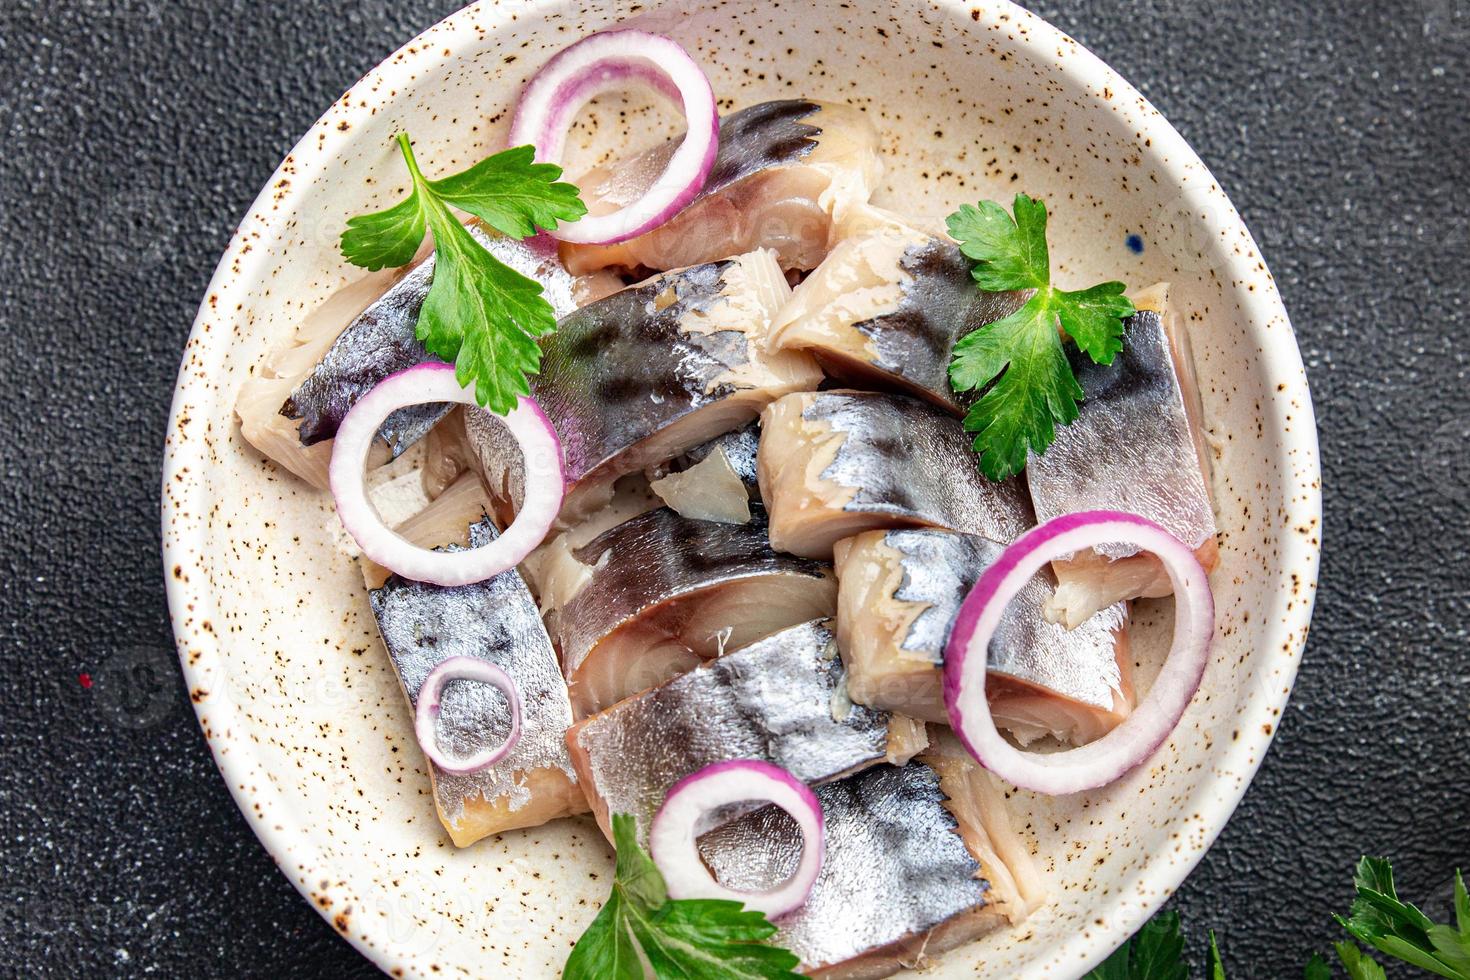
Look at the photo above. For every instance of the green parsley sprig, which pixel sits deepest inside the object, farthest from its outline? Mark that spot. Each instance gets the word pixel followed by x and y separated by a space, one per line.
pixel 1378 918
pixel 480 314
pixel 1019 361
pixel 1395 928
pixel 711 939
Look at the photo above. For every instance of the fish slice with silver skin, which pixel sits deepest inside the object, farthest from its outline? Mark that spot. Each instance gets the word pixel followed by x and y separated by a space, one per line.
pixel 779 700
pixel 920 858
pixel 496 620
pixel 885 309
pixel 784 175
pixel 291 410
pixel 650 372
pixel 1138 445
pixel 714 481
pixel 664 593
pixel 836 463
pixel 897 598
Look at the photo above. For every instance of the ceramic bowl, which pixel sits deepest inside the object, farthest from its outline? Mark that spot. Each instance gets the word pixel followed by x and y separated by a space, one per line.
pixel 290 682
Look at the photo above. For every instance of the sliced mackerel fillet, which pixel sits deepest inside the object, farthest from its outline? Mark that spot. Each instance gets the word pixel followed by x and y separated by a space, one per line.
pixel 885 309
pixel 779 700
pixel 648 373
pixel 784 176
pixel 666 592
pixel 495 620
pixel 1138 445
pixel 836 463
pixel 897 598
pixel 919 859
pixel 290 411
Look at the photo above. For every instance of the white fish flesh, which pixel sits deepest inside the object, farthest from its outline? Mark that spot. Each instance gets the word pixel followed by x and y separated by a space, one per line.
pixel 919 859
pixel 648 373
pixel 836 463
pixel 665 593
pixel 1137 445
pixel 898 595
pixel 715 481
pixel 784 175
pixel 771 701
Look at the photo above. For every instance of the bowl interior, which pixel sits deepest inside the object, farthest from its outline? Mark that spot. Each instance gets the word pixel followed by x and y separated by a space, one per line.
pixel 291 683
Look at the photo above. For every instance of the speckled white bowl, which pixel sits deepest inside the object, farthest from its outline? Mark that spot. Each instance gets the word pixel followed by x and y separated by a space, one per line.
pixel 289 680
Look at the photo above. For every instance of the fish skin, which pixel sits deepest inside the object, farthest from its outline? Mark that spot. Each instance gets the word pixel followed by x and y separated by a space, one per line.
pixel 915 342
pixel 617 370
pixel 939 570
pixel 762 136
pixel 1132 447
pixel 658 556
pixel 940 483
pixel 771 701
pixel 895 868
pixel 822 142
pixel 496 620
pixel 899 462
pixel 913 321
pixel 756 138
pixel 641 376
pixel 382 340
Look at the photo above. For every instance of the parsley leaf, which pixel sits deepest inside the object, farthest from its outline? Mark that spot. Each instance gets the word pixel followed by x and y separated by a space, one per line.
pixel 1019 362
pixel 1156 952
pixel 705 938
pixel 1214 968
pixel 1317 969
pixel 1036 388
pixel 1379 919
pixel 1011 254
pixel 1360 966
pixel 480 314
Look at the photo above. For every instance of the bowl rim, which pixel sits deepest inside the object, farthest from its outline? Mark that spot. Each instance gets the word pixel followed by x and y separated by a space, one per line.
pixel 190 598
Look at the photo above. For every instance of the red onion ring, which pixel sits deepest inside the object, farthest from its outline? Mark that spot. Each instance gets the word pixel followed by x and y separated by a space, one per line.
pixel 1097 763
pixel 424 384
pixel 671 838
pixel 607 62
pixel 427 712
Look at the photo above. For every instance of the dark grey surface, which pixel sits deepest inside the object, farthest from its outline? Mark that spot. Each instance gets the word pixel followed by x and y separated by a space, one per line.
pixel 135 132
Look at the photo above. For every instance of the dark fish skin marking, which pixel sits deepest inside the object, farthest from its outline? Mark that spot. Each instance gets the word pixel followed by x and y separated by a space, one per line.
pixel 769 134
pixel 618 370
pixel 695 546
pixel 383 340
pixel 660 555
pixel 1140 369
pixel 911 461
pixel 378 343
pixel 891 844
pixel 940 305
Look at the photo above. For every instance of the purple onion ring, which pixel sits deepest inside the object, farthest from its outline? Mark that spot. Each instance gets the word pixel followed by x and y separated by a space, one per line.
pixel 676 827
pixel 1125 747
pixel 609 62
pixel 426 714
pixel 419 385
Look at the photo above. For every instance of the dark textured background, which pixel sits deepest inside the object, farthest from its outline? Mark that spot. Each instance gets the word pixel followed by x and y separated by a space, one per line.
pixel 136 132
